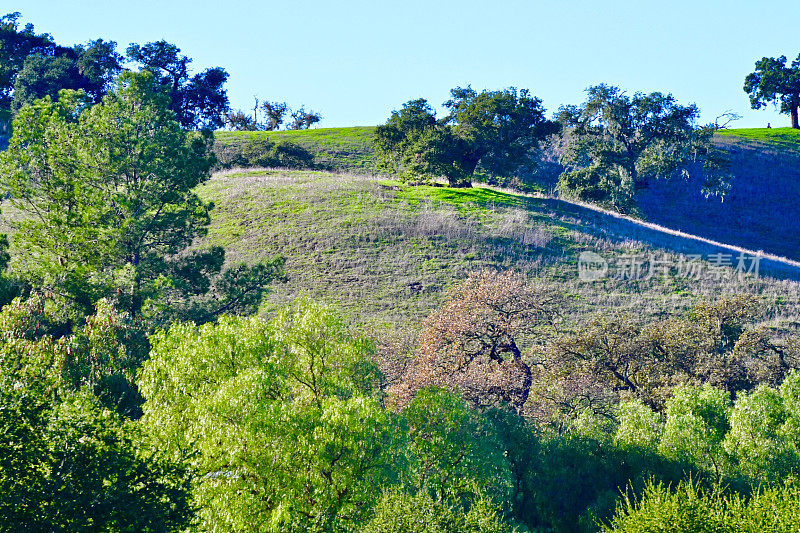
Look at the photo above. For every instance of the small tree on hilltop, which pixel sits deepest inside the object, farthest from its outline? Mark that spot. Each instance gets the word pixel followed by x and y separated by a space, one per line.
pixel 302 119
pixel 776 82
pixel 275 112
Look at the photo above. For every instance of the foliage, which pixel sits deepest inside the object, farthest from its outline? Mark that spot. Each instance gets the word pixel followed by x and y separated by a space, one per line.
pixel 275 112
pixel 90 68
pixel 280 422
pixel 697 420
pixel 616 144
pixel 775 81
pixel 15 46
pixel 474 343
pixel 687 507
pixel 68 460
pixel 301 119
pixel 415 145
pixel 108 191
pixel 402 512
pixel 199 101
pixel 452 449
pixel 263 152
pixel 493 132
pixel 612 357
pixel 502 129
pixel 34 66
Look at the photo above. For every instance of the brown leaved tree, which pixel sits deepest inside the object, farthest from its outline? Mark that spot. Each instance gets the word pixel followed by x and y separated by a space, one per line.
pixel 475 343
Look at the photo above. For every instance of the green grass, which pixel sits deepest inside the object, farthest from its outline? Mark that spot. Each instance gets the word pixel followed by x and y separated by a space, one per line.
pixel 334 148
pixel 385 253
pixel 777 138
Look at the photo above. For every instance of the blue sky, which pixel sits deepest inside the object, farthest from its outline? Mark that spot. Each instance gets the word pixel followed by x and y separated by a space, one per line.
pixel 355 61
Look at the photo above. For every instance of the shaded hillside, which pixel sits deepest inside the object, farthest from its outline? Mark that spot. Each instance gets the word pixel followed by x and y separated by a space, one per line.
pixel 386 253
pixel 761 212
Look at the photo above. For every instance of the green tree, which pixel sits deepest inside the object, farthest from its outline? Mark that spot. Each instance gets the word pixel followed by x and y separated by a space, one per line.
pixel 416 146
pixel 67 461
pixel 402 512
pixel 90 68
pixel 275 112
pixel 199 101
pixel 301 119
pixel 452 449
pixel 281 422
pixel 616 144
pixel 16 44
pixel 495 133
pixel 773 81
pixel 501 129
pixel 697 420
pixel 107 190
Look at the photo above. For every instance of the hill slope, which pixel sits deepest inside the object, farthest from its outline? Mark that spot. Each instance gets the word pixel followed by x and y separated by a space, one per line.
pixel 759 213
pixel 385 253
pixel 333 148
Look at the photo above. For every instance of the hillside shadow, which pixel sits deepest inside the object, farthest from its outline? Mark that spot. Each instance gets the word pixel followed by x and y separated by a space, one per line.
pixel 761 212
pixel 620 229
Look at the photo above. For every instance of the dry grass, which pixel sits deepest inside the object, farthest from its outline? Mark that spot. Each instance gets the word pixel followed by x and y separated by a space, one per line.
pixel 385 253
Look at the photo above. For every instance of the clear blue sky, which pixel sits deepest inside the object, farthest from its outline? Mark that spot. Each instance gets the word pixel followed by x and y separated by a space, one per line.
pixel 355 61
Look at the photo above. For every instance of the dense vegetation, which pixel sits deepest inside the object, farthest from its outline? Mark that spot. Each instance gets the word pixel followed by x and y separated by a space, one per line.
pixel 306 350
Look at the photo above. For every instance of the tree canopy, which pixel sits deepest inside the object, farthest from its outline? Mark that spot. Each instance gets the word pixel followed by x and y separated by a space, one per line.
pixel 773 81
pixel 108 191
pixel 616 143
pixel 493 133
pixel 199 101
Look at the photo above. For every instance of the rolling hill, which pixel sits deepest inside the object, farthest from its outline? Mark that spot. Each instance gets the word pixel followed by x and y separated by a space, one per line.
pixel 759 213
pixel 385 253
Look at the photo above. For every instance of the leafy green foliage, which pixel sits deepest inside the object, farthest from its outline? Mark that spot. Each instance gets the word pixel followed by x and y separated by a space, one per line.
pixel 90 68
pixel 688 507
pixel 402 512
pixel 262 152
pixel 452 448
pixel 616 144
pixel 108 191
pixel 697 420
pixel 199 101
pixel 773 81
pixel 68 460
pixel 494 132
pixel 280 422
pixel 16 44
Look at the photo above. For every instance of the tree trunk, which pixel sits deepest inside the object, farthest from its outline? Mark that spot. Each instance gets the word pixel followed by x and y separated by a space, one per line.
pixel 795 123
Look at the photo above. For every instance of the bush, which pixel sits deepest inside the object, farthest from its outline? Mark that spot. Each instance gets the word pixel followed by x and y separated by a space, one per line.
pixel 262 152
pixel 402 512
pixel 690 508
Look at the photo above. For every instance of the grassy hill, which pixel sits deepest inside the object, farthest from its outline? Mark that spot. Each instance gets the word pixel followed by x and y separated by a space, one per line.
pixel 385 253
pixel 785 139
pixel 759 213
pixel 333 148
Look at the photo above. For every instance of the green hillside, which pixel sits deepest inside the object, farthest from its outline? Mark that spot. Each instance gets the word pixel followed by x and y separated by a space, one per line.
pixel 755 214
pixel 385 253
pixel 338 148
pixel 776 138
